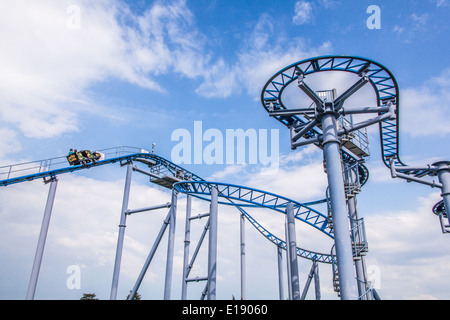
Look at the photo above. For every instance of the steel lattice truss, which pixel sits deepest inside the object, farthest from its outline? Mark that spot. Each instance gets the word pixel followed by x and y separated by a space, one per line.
pixel 244 197
pixel 38 171
pixel 381 79
pixel 197 187
pixel 169 175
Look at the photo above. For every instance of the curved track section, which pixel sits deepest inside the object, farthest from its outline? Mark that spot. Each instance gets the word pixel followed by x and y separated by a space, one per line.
pixel 381 79
pixel 196 186
pixel 244 197
pixel 149 158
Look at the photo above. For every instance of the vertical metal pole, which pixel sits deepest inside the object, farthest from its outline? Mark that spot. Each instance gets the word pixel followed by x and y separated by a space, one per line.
pixel 187 241
pixel 288 259
pixel 292 247
pixel 317 280
pixel 212 250
pixel 122 225
pixel 359 266
pixel 344 254
pixel 42 238
pixel 280 272
pixel 170 246
pixel 242 229
pixel 443 173
pixel 351 179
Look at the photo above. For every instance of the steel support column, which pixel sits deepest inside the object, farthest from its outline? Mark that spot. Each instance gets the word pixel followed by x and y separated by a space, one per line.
pixel 359 263
pixel 212 249
pixel 332 154
pixel 242 254
pixel 443 172
pixel 352 180
pixel 187 242
pixel 280 272
pixel 170 245
pixel 292 247
pixel 42 238
pixel 288 265
pixel 122 225
pixel 317 281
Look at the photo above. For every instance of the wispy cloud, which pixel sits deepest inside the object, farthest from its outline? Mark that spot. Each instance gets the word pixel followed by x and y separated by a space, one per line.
pixel 426 109
pixel 303 12
pixel 396 238
pixel 262 54
pixel 48 64
pixel 442 3
pixel 44 93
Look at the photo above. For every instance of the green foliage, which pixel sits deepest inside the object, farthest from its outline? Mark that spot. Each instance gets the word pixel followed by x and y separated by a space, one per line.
pixel 89 296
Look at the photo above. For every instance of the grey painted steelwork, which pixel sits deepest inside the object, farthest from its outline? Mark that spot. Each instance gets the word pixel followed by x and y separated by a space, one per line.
pixel 417 174
pixel 280 272
pixel 42 239
pixel 291 249
pixel 212 247
pixel 324 124
pixel 344 254
pixel 122 226
pixel 49 168
pixel 242 255
pixel 187 241
pixel 319 125
pixel 439 210
pixel 170 245
pixel 242 197
pixel 443 173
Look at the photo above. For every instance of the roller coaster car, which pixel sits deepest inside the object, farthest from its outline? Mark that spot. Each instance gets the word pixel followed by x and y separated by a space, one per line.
pixel 83 157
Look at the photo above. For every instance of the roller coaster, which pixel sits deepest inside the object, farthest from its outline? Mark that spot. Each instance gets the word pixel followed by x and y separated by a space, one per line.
pixel 325 122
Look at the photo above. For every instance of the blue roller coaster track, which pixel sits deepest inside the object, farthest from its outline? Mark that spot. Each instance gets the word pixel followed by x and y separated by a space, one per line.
pixel 167 174
pixel 382 80
pixel 387 94
pixel 244 197
pixel 196 186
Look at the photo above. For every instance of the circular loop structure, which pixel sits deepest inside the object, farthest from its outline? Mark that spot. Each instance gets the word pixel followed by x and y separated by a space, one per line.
pixel 245 197
pixel 313 124
pixel 380 77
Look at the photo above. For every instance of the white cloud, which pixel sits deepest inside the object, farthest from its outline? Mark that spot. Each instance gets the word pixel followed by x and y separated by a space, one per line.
pixel 303 12
pixel 442 3
pixel 48 67
pixel 50 58
pixel 420 19
pixel 230 170
pixel 9 142
pixel 407 247
pixel 425 110
pixel 262 54
pixel 83 230
pixel 300 177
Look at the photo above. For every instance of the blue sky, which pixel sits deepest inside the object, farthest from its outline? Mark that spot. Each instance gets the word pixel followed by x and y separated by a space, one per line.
pixel 110 73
